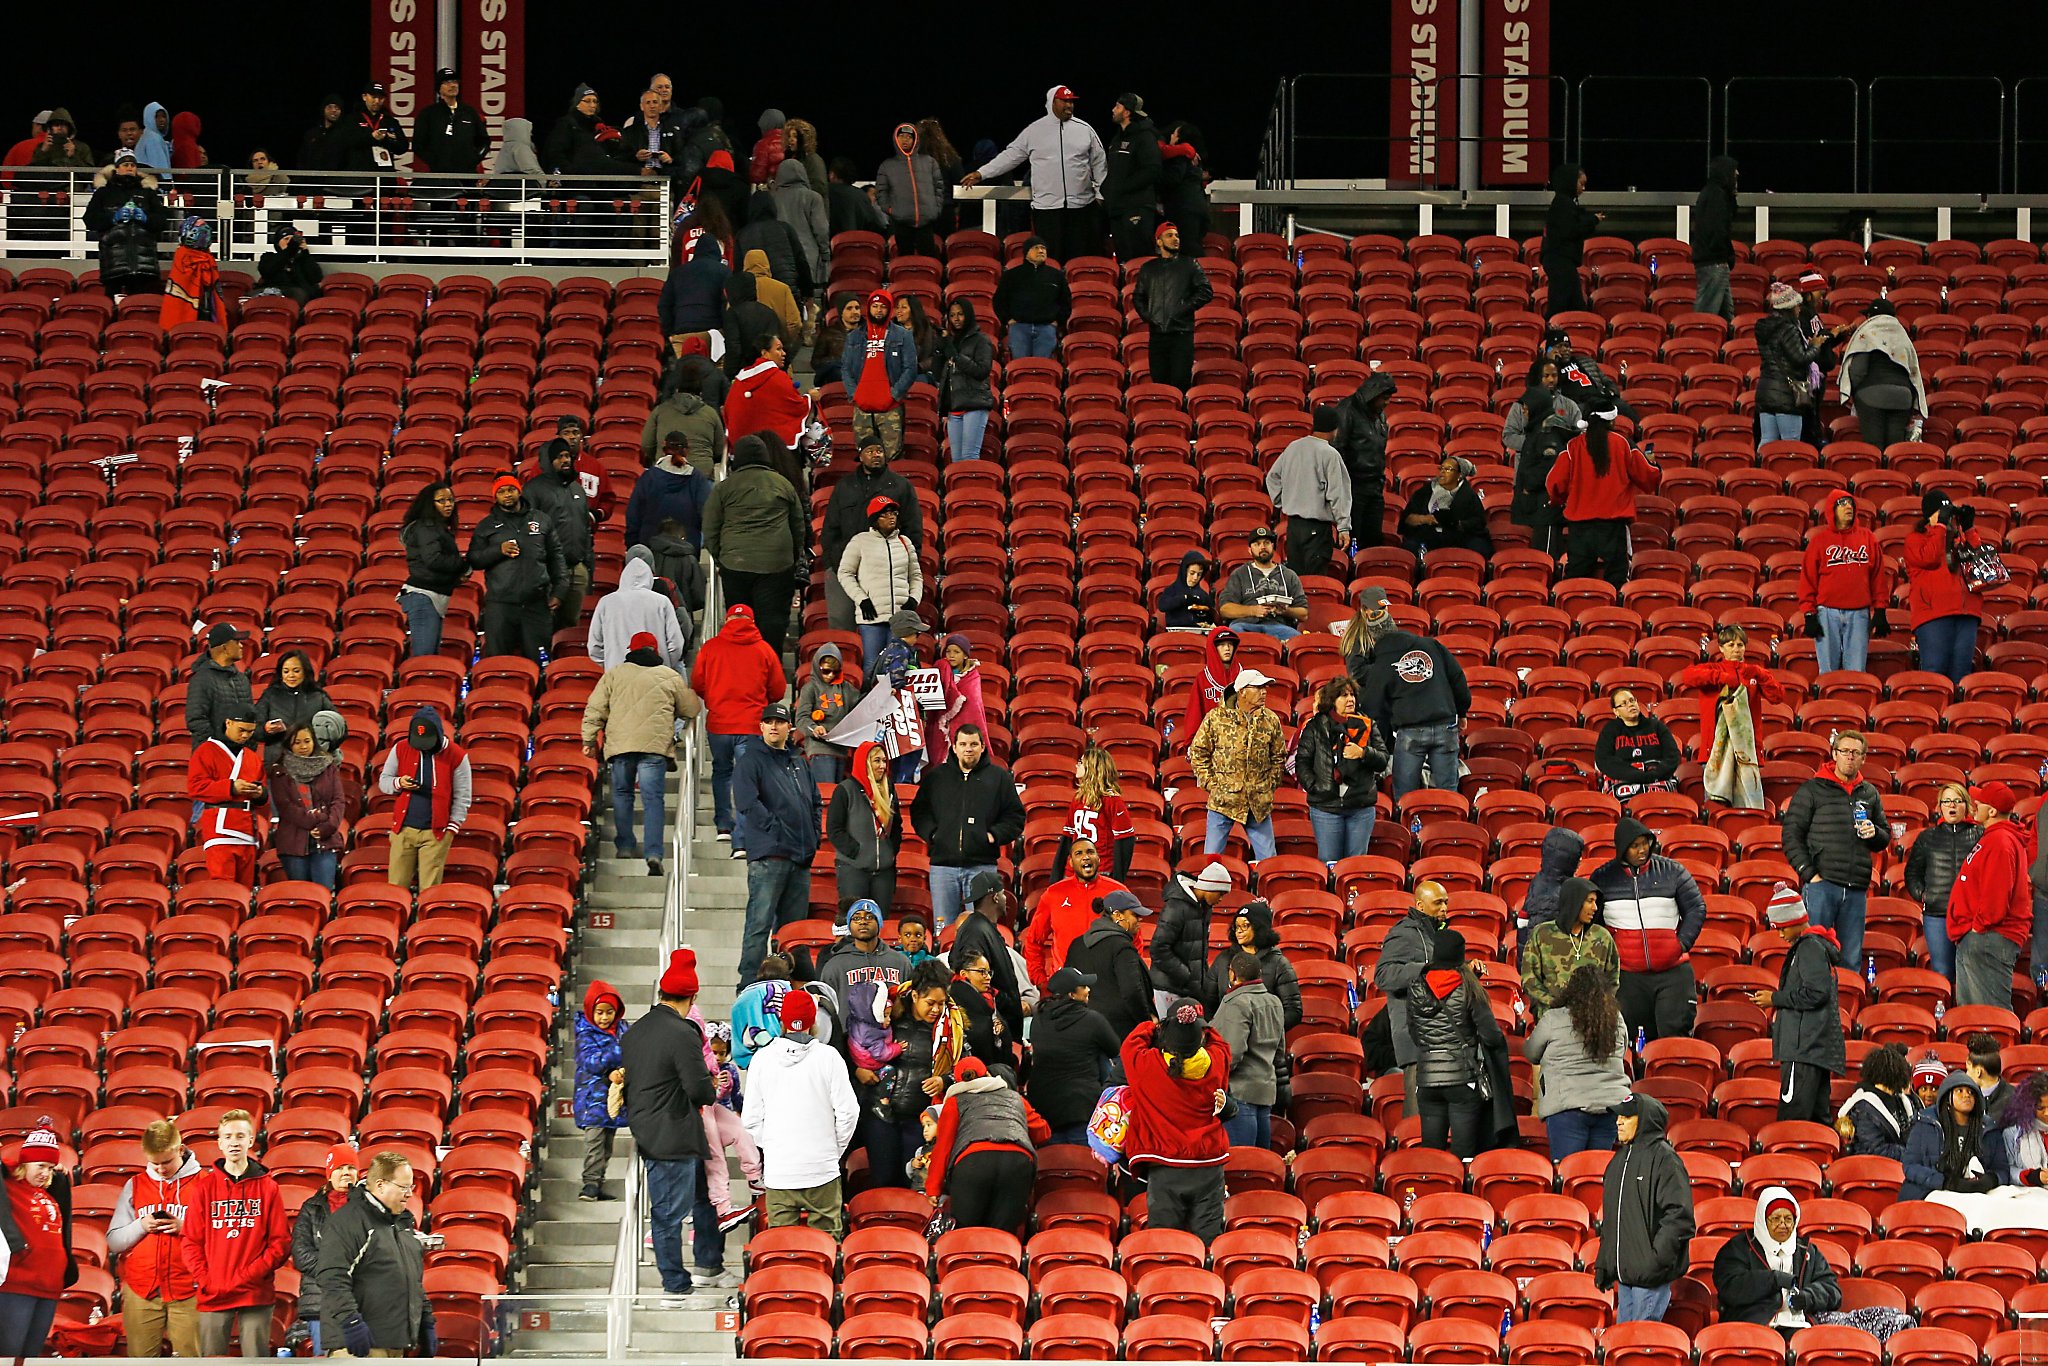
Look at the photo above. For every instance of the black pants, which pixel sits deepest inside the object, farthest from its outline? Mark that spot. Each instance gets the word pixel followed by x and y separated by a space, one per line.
pixel 990 1190
pixel 912 240
pixel 1172 356
pixel 1069 232
pixel 517 628
pixel 889 1143
pixel 1661 1004
pixel 1882 427
pixel 1132 234
pixel 769 595
pixel 1189 1198
pixel 1310 544
pixel 1368 511
pixel 1565 294
pixel 1452 1117
pixel 878 886
pixel 1597 549
pixel 1803 1093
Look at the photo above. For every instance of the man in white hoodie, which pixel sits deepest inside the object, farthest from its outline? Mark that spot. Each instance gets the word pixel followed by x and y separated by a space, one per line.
pixel 636 605
pixel 801 1111
pixel 1067 170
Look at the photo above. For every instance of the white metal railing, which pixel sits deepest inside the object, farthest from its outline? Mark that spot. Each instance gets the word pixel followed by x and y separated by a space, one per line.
pixel 42 210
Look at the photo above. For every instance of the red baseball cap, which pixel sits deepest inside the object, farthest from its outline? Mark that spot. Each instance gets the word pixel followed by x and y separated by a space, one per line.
pixel 1996 795
pixel 879 503
pixel 1065 93
pixel 643 640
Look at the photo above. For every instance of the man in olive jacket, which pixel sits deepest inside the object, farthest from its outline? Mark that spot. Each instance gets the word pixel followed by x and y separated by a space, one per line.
pixel 756 529
pixel 372 1268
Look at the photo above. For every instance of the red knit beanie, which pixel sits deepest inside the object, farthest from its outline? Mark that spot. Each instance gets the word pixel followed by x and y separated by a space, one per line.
pixel 681 978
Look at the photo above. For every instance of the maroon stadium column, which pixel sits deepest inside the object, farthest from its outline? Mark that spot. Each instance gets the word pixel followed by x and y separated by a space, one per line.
pixel 1514 98
pixel 1422 98
pixel 402 57
pixel 493 64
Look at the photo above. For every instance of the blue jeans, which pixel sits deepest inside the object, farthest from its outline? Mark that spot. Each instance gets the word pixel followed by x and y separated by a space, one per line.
pixel 1073 1133
pixel 1948 646
pixel 423 622
pixel 724 748
pixel 963 433
pixel 1845 639
pixel 1772 427
pixel 1341 834
pixel 1941 950
pixel 949 892
pixel 25 1324
pixel 651 773
pixel 1250 1127
pixel 1259 834
pixel 315 867
pixel 1278 630
pixel 873 640
pixel 778 894
pixel 1578 1131
pixel 671 1191
pixel 1416 745
pixel 1641 1304
pixel 1832 906
pixel 1033 340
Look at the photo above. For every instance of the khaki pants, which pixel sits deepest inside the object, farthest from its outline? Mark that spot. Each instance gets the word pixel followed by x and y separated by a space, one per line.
pixel 418 851
pixel 147 1322
pixel 254 1325
pixel 822 1203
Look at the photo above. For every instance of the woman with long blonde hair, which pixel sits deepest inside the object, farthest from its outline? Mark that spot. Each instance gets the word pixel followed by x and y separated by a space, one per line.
pixel 1098 813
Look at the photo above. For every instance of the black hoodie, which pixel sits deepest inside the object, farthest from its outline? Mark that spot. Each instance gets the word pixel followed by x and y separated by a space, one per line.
pixel 1646 1216
pixel 964 360
pixel 1131 184
pixel 1713 215
pixel 1362 429
pixel 1073 1051
pixel 1122 993
pixel 1560 855
pixel 1566 226
pixel 1188 608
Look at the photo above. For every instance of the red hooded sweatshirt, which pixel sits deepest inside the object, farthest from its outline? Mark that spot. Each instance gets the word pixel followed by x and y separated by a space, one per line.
pixel 1992 891
pixel 1590 496
pixel 873 394
pixel 737 674
pixel 1842 569
pixel 235 1236
pixel 1207 694
pixel 764 398
pixel 1173 1119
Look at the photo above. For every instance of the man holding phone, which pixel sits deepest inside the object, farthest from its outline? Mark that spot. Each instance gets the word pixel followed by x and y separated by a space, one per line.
pixel 429 774
pixel 158 1293
pixel 225 779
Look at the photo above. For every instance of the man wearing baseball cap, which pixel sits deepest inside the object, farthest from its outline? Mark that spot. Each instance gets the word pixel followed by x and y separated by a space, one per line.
pixel 1237 755
pixel 1107 953
pixel 1991 908
pixel 525 572
pixel 225 779
pixel 1130 187
pixel 216 686
pixel 1067 170
pixel 778 805
pixel 1073 1055
pixel 1806 1016
pixel 1262 594
pixel 368 138
pixel 1171 289
pixel 451 136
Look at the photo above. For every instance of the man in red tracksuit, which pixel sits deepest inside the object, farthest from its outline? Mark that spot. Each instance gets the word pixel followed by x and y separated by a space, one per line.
pixel 235 1240
pixel 226 778
pixel 1842 588
pixel 1991 908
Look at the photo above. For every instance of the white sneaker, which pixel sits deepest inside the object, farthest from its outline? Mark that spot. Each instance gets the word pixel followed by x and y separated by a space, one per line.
pixel 721 1280
pixel 739 853
pixel 726 836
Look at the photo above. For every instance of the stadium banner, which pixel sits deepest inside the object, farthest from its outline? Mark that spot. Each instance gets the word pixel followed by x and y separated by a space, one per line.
pixel 1514 92
pixel 1422 96
pixel 402 58
pixel 492 44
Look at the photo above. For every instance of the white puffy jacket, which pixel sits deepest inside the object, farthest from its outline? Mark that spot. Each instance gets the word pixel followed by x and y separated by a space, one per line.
pixel 882 570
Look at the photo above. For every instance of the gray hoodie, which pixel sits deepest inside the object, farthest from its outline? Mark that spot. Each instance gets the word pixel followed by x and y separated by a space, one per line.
pixel 636 605
pixel 1067 161
pixel 1251 1022
pixel 1573 1079
pixel 517 157
pixel 824 704
pixel 803 209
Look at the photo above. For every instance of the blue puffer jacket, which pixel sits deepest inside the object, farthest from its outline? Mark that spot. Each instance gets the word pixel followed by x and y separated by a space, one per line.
pixel 598 1054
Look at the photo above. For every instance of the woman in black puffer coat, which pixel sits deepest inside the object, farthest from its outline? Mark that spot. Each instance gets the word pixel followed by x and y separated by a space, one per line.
pixel 1931 870
pixel 1252 932
pixel 1448 1018
pixel 434 565
pixel 1784 360
pixel 1339 759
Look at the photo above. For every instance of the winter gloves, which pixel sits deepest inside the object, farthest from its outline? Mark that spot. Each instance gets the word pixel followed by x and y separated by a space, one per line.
pixel 356 1334
pixel 1813 628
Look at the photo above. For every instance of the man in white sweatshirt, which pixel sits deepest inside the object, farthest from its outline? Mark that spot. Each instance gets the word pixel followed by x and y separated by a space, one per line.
pixel 801 1111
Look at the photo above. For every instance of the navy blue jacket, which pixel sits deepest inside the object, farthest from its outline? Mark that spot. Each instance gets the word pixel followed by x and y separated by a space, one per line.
pixel 660 493
pixel 773 792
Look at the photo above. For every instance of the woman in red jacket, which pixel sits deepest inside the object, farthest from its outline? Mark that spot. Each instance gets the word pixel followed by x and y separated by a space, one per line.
pixel 1945 612
pixel 1595 481
pixel 1177 1089
pixel 1732 693
pixel 35 1221
pixel 763 397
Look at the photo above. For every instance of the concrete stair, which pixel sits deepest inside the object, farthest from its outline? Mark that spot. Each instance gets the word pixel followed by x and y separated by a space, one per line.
pixel 572 1243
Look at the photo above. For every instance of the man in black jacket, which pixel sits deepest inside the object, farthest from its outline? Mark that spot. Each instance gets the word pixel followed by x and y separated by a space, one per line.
pixel 846 516
pixel 1073 1056
pixel 372 1267
pixel 1833 826
pixel 1713 244
pixel 1361 439
pixel 847 206
pixel 1404 957
pixel 966 811
pixel 1033 300
pixel 451 138
pixel 655 139
pixel 1180 941
pixel 667 1087
pixel 1646 1218
pixel 524 572
pixel 1130 188
pixel 558 491
pixel 1806 1028
pixel 1171 288
pixel 1108 952
pixel 216 686
pixel 1415 694
pixel 980 935
pixel 366 139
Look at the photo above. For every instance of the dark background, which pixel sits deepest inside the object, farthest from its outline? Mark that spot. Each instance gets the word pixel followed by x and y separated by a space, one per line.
pixel 256 73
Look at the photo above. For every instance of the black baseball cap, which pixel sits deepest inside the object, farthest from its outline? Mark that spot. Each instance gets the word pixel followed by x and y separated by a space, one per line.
pixel 776 711
pixel 1067 980
pixel 1261 533
pixel 220 633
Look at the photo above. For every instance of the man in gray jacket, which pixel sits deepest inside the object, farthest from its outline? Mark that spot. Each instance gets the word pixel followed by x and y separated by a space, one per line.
pixel 1404 957
pixel 910 190
pixel 1311 488
pixel 1252 1023
pixel 1068 167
